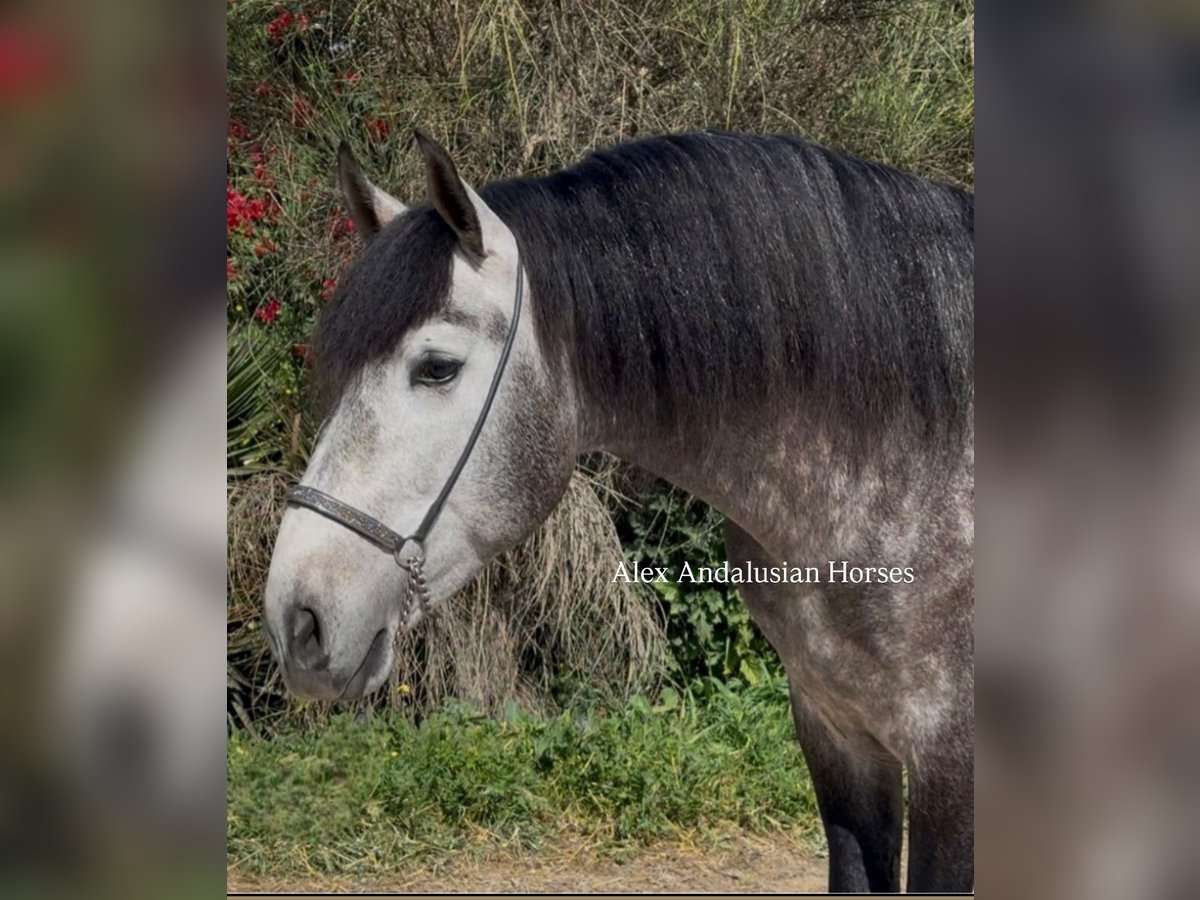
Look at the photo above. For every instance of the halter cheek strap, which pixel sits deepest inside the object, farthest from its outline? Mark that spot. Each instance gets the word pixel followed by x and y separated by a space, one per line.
pixel 409 552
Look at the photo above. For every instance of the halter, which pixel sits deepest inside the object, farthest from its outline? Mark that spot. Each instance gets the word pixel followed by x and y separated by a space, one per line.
pixel 409 552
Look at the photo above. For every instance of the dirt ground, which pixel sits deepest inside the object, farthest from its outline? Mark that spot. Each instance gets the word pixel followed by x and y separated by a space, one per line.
pixel 740 864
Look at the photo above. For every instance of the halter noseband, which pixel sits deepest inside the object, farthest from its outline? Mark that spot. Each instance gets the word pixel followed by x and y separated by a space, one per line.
pixel 409 552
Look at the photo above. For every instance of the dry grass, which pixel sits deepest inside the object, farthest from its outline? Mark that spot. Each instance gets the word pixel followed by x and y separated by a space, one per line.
pixel 255 689
pixel 727 860
pixel 514 87
pixel 545 609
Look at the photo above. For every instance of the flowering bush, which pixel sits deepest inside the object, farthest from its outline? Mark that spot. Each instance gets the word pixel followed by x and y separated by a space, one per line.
pixel 285 24
pixel 295 90
pixel 256 274
pixel 268 312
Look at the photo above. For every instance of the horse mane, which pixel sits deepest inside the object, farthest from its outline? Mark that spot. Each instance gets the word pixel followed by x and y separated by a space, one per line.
pixel 675 275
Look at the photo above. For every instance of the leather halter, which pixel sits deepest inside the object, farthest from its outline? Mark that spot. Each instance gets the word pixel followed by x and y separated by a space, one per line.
pixel 409 552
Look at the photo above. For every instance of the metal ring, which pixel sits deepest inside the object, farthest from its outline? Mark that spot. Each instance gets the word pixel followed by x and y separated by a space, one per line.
pixel 413 559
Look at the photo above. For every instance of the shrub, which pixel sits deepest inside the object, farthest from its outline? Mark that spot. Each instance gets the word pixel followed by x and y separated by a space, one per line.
pixel 709 630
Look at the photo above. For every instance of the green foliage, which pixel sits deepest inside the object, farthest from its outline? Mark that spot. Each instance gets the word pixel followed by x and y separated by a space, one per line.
pixel 254 433
pixel 709 629
pixel 365 798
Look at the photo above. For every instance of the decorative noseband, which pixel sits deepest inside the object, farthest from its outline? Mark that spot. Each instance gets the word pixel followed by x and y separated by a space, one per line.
pixel 354 519
pixel 409 552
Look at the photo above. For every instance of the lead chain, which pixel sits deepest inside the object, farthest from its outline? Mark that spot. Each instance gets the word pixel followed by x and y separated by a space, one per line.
pixel 417 590
pixel 417 579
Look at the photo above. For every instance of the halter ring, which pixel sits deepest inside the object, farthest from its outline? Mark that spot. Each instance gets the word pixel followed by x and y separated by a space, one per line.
pixel 414 558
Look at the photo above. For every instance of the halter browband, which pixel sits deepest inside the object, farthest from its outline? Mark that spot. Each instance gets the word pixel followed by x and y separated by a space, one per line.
pixel 409 552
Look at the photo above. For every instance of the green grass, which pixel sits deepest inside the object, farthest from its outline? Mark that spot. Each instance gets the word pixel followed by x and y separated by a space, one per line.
pixel 377 797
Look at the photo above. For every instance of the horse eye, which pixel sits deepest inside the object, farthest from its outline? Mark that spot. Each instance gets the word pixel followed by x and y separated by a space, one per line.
pixel 437 370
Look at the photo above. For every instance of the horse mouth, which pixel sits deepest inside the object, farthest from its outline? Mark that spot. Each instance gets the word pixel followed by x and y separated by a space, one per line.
pixel 368 669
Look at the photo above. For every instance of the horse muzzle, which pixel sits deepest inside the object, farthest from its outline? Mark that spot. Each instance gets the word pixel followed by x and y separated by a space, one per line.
pixel 313 669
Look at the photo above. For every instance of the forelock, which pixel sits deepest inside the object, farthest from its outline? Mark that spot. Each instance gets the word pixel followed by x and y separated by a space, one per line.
pixel 400 280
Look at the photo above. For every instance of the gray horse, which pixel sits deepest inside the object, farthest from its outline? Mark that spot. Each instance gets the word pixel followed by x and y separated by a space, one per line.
pixel 780 329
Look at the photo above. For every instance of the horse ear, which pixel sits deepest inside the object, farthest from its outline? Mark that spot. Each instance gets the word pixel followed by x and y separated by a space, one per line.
pixel 369 207
pixel 480 231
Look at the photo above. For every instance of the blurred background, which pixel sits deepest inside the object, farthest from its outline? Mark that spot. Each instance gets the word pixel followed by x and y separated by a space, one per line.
pixel 119 128
pixel 1089 478
pixel 111 398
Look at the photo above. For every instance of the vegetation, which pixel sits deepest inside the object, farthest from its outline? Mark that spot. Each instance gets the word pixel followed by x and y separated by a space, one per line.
pixel 709 629
pixel 366 799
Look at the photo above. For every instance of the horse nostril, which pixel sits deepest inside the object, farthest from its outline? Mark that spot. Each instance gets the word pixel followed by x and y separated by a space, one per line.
pixel 306 626
pixel 304 645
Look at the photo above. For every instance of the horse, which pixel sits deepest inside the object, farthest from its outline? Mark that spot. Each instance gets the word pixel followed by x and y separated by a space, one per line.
pixel 783 330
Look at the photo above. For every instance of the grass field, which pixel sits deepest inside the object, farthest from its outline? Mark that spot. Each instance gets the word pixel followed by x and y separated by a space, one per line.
pixel 378 797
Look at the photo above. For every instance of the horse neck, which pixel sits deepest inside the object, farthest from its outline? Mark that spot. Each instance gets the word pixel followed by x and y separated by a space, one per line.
pixel 749 463
pixel 753 440
pixel 781 473
pixel 782 478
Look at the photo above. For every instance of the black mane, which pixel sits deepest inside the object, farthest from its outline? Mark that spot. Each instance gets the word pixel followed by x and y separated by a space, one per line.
pixel 678 274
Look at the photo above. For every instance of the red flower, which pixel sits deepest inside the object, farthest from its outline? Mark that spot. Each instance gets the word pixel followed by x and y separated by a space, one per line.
pixel 259 157
pixel 238 131
pixel 264 89
pixel 340 225
pixel 235 209
pixel 304 352
pixel 231 272
pixel 241 212
pixel 268 312
pixel 279 27
pixel 302 111
pixel 350 77
pixel 265 246
pixel 377 129
pixel 328 285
